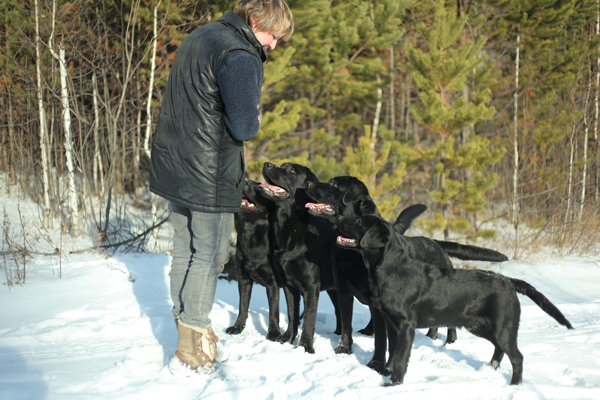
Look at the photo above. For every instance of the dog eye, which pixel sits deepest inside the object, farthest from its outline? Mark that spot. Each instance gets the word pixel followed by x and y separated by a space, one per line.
pixel 333 183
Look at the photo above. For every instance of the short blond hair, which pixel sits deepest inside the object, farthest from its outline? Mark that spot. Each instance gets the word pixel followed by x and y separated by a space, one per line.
pixel 273 16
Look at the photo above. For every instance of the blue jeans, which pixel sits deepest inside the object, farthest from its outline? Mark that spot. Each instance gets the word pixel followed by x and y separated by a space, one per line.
pixel 200 251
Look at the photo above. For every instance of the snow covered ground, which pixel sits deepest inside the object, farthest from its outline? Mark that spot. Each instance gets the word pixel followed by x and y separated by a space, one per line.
pixel 104 331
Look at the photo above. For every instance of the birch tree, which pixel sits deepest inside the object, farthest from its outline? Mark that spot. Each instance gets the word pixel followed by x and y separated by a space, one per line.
pixel 597 108
pixel 585 152
pixel 42 124
pixel 149 114
pixel 97 168
pixel 152 68
pixel 66 114
pixel 515 140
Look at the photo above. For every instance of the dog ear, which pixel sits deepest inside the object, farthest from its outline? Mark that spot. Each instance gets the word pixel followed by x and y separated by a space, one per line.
pixel 310 176
pixel 368 207
pixel 376 237
pixel 357 191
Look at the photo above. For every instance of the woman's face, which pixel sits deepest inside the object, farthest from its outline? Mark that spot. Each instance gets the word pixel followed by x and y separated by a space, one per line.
pixel 266 39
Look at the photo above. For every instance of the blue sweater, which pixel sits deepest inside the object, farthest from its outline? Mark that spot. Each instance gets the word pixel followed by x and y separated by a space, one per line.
pixel 240 79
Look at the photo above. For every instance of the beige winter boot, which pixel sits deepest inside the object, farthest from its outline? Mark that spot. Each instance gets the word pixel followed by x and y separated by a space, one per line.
pixel 196 347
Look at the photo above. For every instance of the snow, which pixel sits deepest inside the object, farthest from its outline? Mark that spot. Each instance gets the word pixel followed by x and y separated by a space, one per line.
pixel 94 326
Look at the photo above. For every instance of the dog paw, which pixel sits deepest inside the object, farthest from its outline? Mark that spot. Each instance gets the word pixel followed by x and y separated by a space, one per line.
pixel 379 367
pixel 366 331
pixel 450 341
pixel 494 364
pixel 343 349
pixel 392 382
pixel 286 338
pixel 274 336
pixel 307 347
pixel 234 330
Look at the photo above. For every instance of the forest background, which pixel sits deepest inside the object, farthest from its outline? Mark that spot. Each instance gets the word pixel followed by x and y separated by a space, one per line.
pixel 487 111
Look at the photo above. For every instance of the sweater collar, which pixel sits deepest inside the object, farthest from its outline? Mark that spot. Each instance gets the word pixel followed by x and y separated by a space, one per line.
pixel 241 27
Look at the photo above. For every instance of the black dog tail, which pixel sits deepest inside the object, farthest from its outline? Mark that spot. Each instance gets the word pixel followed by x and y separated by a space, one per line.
pixel 468 252
pixel 407 216
pixel 541 300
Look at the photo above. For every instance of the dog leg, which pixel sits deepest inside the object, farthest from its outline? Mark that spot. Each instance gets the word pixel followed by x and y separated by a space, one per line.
pixel 369 329
pixel 377 363
pixel 399 363
pixel 333 295
pixel 497 357
pixel 346 305
pixel 507 341
pixel 432 333
pixel 392 336
pixel 451 337
pixel 516 360
pixel 245 291
pixel 292 299
pixel 311 301
pixel 273 332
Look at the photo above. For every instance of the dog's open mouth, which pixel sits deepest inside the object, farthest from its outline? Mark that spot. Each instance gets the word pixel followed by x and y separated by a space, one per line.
pixel 274 191
pixel 346 242
pixel 246 205
pixel 320 208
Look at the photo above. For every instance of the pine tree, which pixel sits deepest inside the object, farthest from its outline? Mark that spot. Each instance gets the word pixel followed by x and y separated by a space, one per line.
pixel 334 87
pixel 441 72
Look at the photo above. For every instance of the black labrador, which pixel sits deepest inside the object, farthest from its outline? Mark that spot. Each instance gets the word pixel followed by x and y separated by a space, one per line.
pixel 349 197
pixel 253 258
pixel 412 294
pixel 302 246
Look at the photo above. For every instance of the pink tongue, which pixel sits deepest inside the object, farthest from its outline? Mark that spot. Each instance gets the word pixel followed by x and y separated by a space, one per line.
pixel 346 241
pixel 270 187
pixel 318 205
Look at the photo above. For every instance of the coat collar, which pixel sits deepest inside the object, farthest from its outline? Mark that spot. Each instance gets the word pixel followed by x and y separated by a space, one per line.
pixel 240 26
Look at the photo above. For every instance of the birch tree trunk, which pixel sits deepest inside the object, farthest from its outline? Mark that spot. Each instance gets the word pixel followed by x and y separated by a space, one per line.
pixel 66 113
pixel 98 173
pixel 153 197
pixel 376 125
pixel 392 105
pixel 570 180
pixel 11 141
pixel 408 124
pixel 137 140
pixel 584 172
pixel 597 192
pixel 71 190
pixel 516 148
pixel 42 115
pixel 149 102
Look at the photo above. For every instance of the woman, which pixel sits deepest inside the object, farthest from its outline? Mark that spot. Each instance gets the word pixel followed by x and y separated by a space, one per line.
pixel 209 109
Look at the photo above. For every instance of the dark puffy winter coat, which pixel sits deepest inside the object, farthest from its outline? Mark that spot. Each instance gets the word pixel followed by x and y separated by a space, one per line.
pixel 195 162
